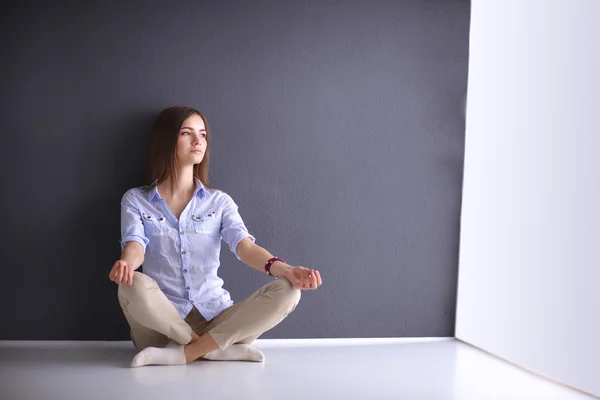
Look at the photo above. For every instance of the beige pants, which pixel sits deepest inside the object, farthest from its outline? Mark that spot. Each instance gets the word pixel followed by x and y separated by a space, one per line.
pixel 154 321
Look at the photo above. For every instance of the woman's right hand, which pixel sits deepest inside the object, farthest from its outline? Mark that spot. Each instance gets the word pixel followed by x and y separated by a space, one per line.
pixel 122 272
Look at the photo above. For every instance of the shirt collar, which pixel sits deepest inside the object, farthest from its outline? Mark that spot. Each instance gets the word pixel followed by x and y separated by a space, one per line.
pixel 200 191
pixel 152 193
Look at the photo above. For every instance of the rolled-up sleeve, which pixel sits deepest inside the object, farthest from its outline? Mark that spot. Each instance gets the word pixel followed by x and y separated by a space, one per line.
pixel 233 229
pixel 132 228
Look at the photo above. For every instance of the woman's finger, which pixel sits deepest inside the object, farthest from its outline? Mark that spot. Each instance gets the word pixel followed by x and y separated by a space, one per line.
pixel 119 273
pixel 111 274
pixel 318 275
pixel 300 279
pixel 307 279
pixel 313 280
pixel 125 274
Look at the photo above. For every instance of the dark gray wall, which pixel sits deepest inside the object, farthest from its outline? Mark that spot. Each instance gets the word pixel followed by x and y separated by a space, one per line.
pixel 338 129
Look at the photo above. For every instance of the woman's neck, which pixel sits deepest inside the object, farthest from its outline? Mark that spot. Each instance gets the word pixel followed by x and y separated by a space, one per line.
pixel 181 188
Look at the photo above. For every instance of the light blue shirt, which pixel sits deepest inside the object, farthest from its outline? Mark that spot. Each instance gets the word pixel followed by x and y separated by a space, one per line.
pixel 182 256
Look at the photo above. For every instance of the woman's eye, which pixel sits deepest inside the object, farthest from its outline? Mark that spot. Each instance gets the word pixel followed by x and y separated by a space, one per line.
pixel 188 134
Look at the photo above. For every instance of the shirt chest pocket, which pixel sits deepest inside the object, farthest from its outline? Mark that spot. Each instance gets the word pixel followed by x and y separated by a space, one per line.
pixel 154 225
pixel 206 225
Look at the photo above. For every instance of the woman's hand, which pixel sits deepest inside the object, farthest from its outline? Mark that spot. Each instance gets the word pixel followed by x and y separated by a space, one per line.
pixel 122 272
pixel 304 278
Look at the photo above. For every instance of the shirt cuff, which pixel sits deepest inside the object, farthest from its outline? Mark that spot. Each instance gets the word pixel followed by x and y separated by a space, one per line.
pixel 237 239
pixel 133 238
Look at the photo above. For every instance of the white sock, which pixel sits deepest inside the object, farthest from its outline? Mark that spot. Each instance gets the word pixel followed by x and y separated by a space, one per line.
pixel 171 355
pixel 236 352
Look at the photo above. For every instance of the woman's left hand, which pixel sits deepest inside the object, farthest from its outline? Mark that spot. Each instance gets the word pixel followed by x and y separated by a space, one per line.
pixel 304 278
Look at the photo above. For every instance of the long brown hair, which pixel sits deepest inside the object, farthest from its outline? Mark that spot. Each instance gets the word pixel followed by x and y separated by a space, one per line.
pixel 162 162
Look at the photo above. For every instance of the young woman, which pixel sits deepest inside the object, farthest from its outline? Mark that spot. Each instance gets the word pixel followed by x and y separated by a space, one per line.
pixel 177 309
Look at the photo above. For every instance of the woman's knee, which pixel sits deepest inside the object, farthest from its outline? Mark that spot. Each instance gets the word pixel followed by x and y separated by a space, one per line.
pixel 142 284
pixel 287 295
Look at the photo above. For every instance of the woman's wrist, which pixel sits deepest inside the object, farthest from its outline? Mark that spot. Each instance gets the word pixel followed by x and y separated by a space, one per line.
pixel 280 268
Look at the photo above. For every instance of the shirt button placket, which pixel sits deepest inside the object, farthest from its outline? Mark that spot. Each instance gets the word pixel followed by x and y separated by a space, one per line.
pixel 183 261
pixel 185 271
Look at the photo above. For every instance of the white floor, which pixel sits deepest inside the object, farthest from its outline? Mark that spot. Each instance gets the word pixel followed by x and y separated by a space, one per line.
pixel 294 369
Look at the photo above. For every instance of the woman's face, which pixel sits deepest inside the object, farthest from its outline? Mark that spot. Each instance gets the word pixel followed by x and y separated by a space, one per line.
pixel 191 143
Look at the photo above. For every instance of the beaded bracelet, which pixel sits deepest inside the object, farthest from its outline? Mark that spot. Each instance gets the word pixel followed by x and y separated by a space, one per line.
pixel 269 263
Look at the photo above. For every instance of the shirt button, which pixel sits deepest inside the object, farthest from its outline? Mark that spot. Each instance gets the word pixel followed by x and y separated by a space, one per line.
pixel 183 252
pixel 184 271
pixel 181 232
pixel 187 288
